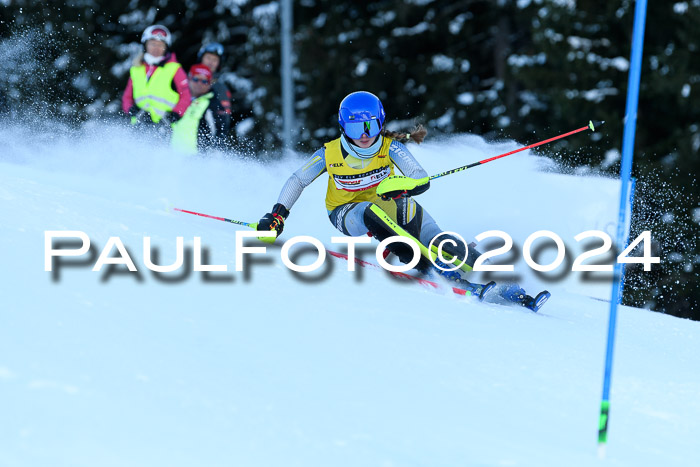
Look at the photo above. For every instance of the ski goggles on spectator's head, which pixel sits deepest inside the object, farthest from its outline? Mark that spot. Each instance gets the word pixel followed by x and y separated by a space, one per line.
pixel 355 129
pixel 159 33
pixel 212 48
pixel 200 80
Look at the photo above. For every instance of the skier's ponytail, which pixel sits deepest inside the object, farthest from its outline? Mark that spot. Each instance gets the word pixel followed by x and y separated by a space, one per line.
pixel 417 134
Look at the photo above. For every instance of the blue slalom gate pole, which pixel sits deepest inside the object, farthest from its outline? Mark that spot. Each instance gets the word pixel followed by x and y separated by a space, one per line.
pixel 622 234
pixel 628 224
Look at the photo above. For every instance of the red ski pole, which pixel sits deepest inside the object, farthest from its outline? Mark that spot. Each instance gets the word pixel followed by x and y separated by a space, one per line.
pixel 252 225
pixel 591 126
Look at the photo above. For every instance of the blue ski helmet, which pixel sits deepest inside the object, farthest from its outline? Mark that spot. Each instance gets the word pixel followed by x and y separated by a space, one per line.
pixel 361 113
pixel 211 48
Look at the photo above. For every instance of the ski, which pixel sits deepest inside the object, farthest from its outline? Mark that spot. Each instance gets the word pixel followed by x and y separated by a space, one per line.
pixel 465 288
pixel 538 301
pixel 532 304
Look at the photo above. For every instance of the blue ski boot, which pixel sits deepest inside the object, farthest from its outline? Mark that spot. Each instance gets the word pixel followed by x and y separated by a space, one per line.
pixel 478 290
pixel 513 293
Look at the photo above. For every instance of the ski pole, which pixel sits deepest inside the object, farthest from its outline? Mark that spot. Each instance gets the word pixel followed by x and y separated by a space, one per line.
pixel 252 225
pixel 591 126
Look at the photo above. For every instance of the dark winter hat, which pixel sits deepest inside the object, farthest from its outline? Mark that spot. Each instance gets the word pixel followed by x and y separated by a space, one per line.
pixel 200 69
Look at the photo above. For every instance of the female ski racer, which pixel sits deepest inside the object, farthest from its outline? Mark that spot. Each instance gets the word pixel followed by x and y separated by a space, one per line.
pixel 364 196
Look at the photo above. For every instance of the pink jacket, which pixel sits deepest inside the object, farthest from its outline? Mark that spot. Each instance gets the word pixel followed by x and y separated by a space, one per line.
pixel 180 81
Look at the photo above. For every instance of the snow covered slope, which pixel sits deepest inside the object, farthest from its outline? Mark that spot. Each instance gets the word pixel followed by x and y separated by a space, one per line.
pixel 267 368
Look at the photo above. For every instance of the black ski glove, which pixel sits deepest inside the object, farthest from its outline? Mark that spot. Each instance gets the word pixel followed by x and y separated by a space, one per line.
pixel 274 220
pixel 138 116
pixel 170 118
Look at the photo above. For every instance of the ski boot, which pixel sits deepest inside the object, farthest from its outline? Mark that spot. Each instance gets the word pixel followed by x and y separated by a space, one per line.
pixel 517 295
pixel 477 290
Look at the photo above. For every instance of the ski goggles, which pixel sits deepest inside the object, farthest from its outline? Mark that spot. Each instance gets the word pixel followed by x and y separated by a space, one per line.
pixel 213 48
pixel 355 130
pixel 200 80
pixel 159 33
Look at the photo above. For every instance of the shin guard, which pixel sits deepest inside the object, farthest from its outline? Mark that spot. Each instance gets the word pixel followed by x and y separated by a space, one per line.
pixel 381 226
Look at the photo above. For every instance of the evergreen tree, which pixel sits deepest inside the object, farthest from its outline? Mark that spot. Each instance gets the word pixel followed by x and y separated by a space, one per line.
pixel 578 69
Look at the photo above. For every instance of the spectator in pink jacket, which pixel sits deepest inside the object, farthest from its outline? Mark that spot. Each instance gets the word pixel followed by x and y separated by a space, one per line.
pixel 157 89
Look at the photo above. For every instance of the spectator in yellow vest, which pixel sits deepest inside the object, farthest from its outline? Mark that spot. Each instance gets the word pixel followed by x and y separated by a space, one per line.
pixel 157 89
pixel 204 124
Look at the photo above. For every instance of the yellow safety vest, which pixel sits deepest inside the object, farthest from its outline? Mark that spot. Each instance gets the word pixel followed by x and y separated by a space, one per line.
pixel 348 185
pixel 155 95
pixel 186 130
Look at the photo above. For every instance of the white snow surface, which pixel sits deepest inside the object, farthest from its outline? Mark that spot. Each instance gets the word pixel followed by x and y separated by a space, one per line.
pixel 265 369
